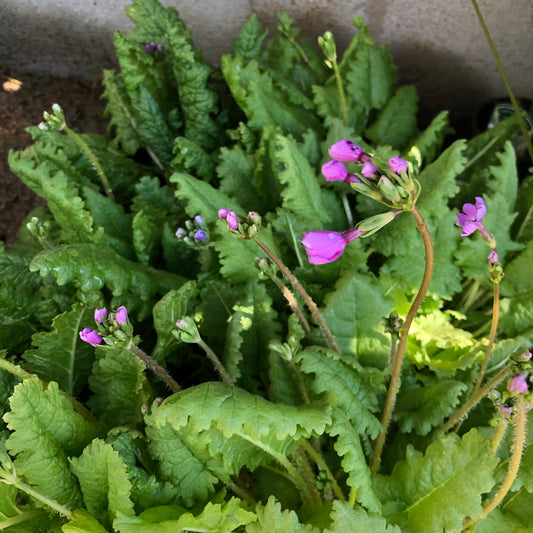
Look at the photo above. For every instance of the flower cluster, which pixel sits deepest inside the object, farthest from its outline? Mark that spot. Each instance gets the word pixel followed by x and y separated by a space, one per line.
pixel 112 329
pixel 54 121
pixel 195 232
pixel 153 46
pixel 245 227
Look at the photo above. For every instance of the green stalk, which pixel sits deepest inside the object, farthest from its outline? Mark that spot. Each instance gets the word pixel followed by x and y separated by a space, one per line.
pixel 293 303
pixel 402 343
pixel 85 147
pixel 505 80
pixel 293 280
pixel 216 362
pixel 22 517
pixel 153 365
pixel 514 463
pixel 340 88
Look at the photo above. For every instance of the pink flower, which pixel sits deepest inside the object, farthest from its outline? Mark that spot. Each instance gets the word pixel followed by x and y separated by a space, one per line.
pixel 518 383
pixel 470 218
pixel 398 164
pixel 346 150
pixel 230 217
pixel 100 314
pixel 90 336
pixel 121 315
pixel 326 246
pixel 369 169
pixel 334 171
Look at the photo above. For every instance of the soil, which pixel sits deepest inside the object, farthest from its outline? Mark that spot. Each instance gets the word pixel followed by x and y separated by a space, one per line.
pixel 23 98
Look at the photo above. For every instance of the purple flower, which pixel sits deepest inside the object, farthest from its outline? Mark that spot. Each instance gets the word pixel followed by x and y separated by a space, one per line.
pixel 326 246
pixel 397 164
pixel 493 257
pixel 200 235
pixel 334 171
pixel 470 218
pixel 369 169
pixel 518 383
pixel 100 314
pixel 199 221
pixel 121 315
pixel 159 47
pixel 149 48
pixel 90 336
pixel 346 150
pixel 230 217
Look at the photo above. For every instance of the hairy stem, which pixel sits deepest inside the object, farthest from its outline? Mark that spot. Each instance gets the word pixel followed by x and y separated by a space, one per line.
pixel 291 300
pixel 402 343
pixel 153 365
pixel 475 399
pixel 505 80
pixel 514 463
pixel 302 462
pixel 98 167
pixel 216 362
pixel 293 280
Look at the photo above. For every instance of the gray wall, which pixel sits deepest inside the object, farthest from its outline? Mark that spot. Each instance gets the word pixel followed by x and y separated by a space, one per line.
pixel 437 44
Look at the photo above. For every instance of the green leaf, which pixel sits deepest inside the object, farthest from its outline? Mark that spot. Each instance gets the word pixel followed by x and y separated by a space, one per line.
pixel 60 355
pixel 104 482
pixel 517 278
pixel 348 447
pixel 524 206
pixel 301 194
pixel 429 142
pixel 354 387
pixel 192 158
pixel 167 311
pixel 120 388
pixel 357 520
pixel 46 431
pixel 270 517
pixel 396 123
pixel 249 42
pixel 453 470
pixel 146 235
pixel 423 408
pixel 83 522
pixel 92 267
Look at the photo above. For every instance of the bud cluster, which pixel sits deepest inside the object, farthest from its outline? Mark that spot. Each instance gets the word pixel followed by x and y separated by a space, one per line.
pixel 245 227
pixel 153 46
pixel 54 121
pixel 112 329
pixel 195 233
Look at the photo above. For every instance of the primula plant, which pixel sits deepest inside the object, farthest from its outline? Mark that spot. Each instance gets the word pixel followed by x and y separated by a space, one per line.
pixel 267 301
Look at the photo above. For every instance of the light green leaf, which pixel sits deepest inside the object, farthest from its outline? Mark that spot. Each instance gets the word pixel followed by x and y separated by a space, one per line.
pixel 83 522
pixel 271 518
pixel 453 470
pixel 46 431
pixel 429 142
pixel 357 520
pixel 146 235
pixel 60 355
pixel 104 482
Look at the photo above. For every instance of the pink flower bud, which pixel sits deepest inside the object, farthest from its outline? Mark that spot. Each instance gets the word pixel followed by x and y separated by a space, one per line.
pixel 369 170
pixel 493 257
pixel 398 164
pixel 230 217
pixel 346 150
pixel 100 314
pixel 518 383
pixel 121 315
pixel 90 336
pixel 334 171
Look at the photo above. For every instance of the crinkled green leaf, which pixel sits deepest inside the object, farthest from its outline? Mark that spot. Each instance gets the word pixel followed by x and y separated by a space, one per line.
pixel 146 234
pixel 355 388
pixel 518 277
pixel 357 520
pixel 429 142
pixel 249 42
pixel 191 157
pixel 516 314
pixel 46 431
pixel 453 470
pixel 348 447
pixel 270 517
pixel 524 206
pixel 60 355
pixel 396 123
pixel 92 267
pixel 120 388
pixel 104 482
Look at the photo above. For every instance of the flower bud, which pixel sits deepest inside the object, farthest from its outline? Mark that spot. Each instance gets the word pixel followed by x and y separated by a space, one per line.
pixel 255 218
pixel 369 170
pixel 188 332
pixel 121 315
pixel 334 171
pixel 199 221
pixel 90 336
pixel 388 190
pixel 345 150
pixel 100 314
pixel 374 223
pixel 398 164
pixel 518 384
pixel 230 217
pixel 200 235
pixel 493 258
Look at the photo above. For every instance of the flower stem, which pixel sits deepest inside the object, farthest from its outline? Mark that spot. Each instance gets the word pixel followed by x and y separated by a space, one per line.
pixel 293 303
pixel 216 362
pixel 474 399
pixel 153 365
pixel 302 462
pixel 514 463
pixel 402 343
pixel 293 280
pixel 505 80
pixel 98 167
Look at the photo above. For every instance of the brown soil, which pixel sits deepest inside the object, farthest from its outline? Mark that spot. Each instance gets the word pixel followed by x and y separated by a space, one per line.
pixel 23 98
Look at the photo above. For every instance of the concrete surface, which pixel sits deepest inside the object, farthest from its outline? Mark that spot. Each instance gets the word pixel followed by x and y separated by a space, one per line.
pixel 438 45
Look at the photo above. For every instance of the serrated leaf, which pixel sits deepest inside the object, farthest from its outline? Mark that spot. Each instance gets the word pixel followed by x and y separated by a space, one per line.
pixel 146 235
pixel 191 158
pixel 120 388
pixel 46 430
pixel 524 206
pixel 60 355
pixel 249 42
pixel 83 522
pixel 355 388
pixel 104 482
pixel 453 470
pixel 517 278
pixel 357 520
pixel 270 517
pixel 348 447
pixel 92 267
pixel 429 142
pixel 396 123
